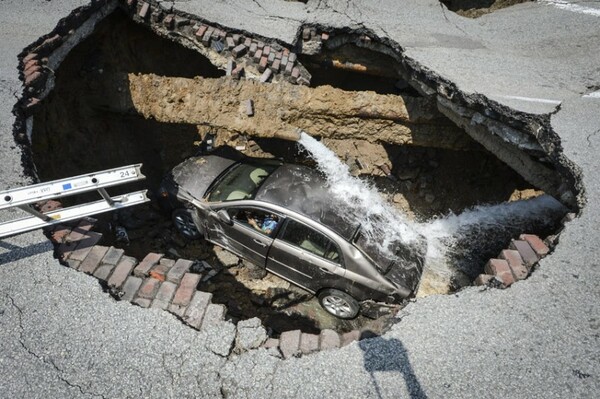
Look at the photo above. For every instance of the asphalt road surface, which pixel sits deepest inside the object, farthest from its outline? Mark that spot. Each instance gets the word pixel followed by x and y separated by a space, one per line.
pixel 62 336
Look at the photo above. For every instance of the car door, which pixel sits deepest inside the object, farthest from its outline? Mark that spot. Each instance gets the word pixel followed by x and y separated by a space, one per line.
pixel 230 228
pixel 305 256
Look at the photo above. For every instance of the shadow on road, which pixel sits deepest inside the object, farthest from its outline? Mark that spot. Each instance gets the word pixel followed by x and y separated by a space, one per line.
pixel 17 253
pixel 389 355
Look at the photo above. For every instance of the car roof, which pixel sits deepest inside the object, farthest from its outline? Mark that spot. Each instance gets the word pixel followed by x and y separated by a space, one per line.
pixel 305 191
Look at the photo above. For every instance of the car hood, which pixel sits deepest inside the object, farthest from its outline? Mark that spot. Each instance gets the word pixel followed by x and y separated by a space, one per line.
pixel 195 175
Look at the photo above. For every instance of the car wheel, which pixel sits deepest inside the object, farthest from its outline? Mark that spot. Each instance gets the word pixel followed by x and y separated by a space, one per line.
pixel 339 303
pixel 184 223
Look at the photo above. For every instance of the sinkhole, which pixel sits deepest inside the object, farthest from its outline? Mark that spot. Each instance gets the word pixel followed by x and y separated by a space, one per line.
pixel 126 95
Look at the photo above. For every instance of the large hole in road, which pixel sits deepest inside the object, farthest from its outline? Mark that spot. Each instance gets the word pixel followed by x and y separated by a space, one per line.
pixel 424 166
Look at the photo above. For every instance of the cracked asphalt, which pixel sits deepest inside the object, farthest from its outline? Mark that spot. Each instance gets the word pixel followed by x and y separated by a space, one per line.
pixel 62 336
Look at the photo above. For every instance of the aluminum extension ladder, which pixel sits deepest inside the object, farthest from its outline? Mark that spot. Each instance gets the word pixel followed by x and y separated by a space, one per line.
pixel 23 197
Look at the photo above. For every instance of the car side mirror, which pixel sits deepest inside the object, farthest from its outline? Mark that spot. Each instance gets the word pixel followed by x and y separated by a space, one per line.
pixel 224 217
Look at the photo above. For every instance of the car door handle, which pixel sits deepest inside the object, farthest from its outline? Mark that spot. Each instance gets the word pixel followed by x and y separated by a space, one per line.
pixel 262 244
pixel 326 271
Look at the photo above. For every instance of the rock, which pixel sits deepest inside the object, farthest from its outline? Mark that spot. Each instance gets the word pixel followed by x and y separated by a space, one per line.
pixel 254 271
pixel 250 334
pixel 226 258
pixel 407 174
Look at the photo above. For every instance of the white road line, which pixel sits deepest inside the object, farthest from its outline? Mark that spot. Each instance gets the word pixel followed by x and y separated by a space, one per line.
pixel 565 5
pixel 533 100
pixel 594 94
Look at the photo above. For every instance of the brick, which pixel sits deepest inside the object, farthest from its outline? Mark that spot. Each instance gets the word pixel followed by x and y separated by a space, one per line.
pixel 201 31
pixel 271 343
pixel 146 264
pixel 93 260
pixel 257 55
pixel 177 310
pixel 309 343
pixel 229 42
pixel 324 36
pixel 207 36
pixel 103 271
pixel 29 57
pixel 160 271
pixel 85 245
pixel 278 55
pixel 143 302
pixel 130 288
pixel 149 288
pixel 247 42
pixel 267 50
pixel 270 58
pixel 59 234
pixel 164 295
pixel 261 45
pixel 292 58
pixel 169 22
pixel 181 267
pixel 215 313
pixel 79 232
pixel 288 68
pixel 529 256
pixel 253 48
pixel 306 33
pixel 349 337
pixel 196 310
pixel 113 256
pixel 536 244
pixel 284 61
pixel 186 289
pixel 500 269
pixel 483 279
pixel 286 52
pixel 236 38
pixel 296 74
pixel 122 271
pixel 239 50
pixel 144 10
pixel 262 65
pixel 238 72
pixel 515 262
pixel 265 75
pixel 73 264
pixel 289 343
pixel 329 339
pixel 32 77
pixel 50 206
pixel 275 66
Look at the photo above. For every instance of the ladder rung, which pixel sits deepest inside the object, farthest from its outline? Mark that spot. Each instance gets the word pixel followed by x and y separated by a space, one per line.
pixel 72 213
pixel 70 186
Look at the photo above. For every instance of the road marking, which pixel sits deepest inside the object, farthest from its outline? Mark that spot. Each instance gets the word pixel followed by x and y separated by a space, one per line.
pixel 565 5
pixel 533 100
pixel 594 94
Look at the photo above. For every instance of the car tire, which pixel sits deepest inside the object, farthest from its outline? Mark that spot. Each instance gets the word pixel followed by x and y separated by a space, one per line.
pixel 338 303
pixel 184 223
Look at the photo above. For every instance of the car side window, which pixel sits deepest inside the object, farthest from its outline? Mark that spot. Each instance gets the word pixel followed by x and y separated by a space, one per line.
pixel 311 240
pixel 257 219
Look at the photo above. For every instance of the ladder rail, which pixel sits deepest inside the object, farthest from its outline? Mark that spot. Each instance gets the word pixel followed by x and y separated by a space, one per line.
pixel 75 212
pixel 17 197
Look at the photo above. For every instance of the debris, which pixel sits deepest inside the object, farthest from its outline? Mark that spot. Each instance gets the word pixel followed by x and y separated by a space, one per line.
pixel 121 235
pixel 249 107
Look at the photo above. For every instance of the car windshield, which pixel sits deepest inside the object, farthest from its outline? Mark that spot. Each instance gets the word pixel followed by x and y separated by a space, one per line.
pixel 241 181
